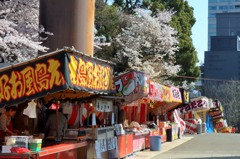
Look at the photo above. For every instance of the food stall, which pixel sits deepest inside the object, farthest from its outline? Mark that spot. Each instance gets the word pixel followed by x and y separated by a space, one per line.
pixel 194 113
pixel 144 102
pixel 165 99
pixel 216 113
pixel 132 86
pixel 62 75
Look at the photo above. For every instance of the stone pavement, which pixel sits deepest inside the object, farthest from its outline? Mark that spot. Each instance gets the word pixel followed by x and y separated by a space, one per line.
pixel 147 154
pixel 206 146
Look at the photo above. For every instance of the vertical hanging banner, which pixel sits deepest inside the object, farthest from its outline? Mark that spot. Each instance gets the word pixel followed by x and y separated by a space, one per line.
pixel 185 96
pixel 132 86
pixel 176 95
pixel 155 92
pixel 65 69
pixel 166 93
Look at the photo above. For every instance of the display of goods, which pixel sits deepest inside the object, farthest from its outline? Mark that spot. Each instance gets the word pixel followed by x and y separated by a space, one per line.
pixel 134 124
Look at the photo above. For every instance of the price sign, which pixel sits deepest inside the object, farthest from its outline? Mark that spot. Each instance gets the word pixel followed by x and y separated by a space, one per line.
pixel 104 105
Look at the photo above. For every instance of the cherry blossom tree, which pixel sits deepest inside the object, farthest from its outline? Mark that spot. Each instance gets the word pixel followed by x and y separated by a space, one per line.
pixel 19 30
pixel 148 44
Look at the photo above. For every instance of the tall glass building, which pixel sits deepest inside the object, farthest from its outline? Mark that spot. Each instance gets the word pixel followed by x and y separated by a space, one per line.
pixel 219 6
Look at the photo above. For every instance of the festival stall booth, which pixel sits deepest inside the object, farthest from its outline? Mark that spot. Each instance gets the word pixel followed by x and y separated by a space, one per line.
pixel 132 87
pixel 216 113
pixel 220 124
pixel 177 125
pixel 62 76
pixel 163 99
pixel 194 115
pixel 144 103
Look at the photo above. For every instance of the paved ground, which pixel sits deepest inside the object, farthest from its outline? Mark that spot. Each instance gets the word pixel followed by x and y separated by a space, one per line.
pixel 207 146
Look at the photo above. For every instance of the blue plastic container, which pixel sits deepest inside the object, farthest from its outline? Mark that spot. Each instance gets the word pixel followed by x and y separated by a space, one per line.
pixel 155 143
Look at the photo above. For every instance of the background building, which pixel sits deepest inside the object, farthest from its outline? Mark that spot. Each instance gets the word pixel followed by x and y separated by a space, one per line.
pixel 222 61
pixel 219 6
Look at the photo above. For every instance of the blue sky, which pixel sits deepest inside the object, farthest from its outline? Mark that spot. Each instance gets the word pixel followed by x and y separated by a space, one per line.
pixel 199 30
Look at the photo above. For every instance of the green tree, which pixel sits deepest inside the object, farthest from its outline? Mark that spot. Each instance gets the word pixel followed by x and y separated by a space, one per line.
pixel 182 21
pixel 107 24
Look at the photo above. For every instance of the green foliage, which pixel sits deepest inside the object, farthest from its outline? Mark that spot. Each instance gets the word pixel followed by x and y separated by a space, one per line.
pixel 109 24
pixel 107 20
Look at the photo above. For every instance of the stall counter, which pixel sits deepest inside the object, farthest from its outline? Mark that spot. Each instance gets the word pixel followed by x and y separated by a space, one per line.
pixel 139 141
pixel 71 150
pixel 125 145
pixel 64 150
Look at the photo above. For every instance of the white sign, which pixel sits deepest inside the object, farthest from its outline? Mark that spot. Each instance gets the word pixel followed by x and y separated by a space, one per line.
pixel 101 145
pixel 119 129
pixel 94 119
pixel 104 105
pixel 112 121
pixel 111 143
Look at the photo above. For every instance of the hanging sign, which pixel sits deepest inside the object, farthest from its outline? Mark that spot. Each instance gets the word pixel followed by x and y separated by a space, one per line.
pixel 200 104
pixel 215 113
pixel 52 73
pixel 89 74
pixel 101 145
pixel 166 94
pixel 111 143
pixel 176 94
pixel 104 105
pixel 132 86
pixel 155 91
pixel 185 96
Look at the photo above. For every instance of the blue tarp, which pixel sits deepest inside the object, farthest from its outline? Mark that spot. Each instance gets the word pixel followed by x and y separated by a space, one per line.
pixel 209 124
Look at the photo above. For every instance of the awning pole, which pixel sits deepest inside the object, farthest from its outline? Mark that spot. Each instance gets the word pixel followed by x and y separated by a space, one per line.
pixel 57 105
